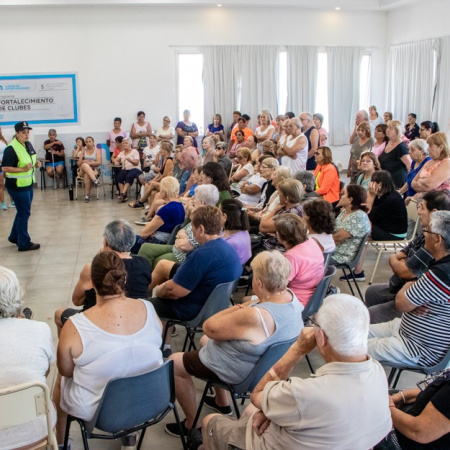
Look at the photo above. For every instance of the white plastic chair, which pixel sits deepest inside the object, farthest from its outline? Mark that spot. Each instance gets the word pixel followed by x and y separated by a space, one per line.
pixel 24 403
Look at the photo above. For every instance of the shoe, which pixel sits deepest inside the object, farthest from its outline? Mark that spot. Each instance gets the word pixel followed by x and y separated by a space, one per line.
pixel 61 446
pixel 27 313
pixel 358 276
pixel 174 332
pixel 97 183
pixel 173 430
pixel 210 402
pixel 12 205
pixel 147 207
pixel 123 198
pixel 12 241
pixel 166 353
pixel 87 199
pixel 136 205
pixel 3 206
pixel 129 442
pixel 142 222
pixel 29 247
pixel 332 290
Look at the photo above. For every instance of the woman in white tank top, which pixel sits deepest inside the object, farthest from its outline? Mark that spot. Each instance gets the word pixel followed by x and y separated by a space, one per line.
pixel 140 129
pixel 118 337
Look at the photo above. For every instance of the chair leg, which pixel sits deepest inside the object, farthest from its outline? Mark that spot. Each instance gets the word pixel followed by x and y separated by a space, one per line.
pixel 66 434
pixel 391 376
pixel 376 265
pixel 311 368
pixel 348 281
pixel 84 436
pixel 202 401
pixel 177 418
pixel 235 405
pixel 397 378
pixel 357 287
pixel 141 438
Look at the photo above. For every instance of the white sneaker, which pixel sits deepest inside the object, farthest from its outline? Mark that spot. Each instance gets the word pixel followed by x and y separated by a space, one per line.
pixel 147 207
pixel 142 222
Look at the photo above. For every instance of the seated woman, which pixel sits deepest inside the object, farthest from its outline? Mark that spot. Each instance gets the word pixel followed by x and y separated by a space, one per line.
pixel 166 218
pixel 78 148
pixel 240 142
pixel 303 253
pixel 352 224
pixel 118 337
pixel 320 220
pixel 369 164
pixel 236 226
pixel 290 192
pixel 362 143
pixel 243 171
pixel 25 355
pixel 421 416
pixel 252 189
pixel 418 150
pixel 328 184
pixel 428 128
pixel 130 162
pixel 196 180
pixel 216 127
pixel 89 162
pixel 435 174
pixel 214 173
pixel 395 157
pixel 236 338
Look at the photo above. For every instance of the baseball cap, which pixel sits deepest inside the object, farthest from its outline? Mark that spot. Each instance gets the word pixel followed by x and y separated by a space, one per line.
pixel 21 126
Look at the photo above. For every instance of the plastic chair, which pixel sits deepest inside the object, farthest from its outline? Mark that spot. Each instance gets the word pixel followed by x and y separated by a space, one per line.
pixel 350 266
pixel 243 389
pixel 131 404
pixel 397 369
pixel 173 235
pixel 391 246
pixel 99 178
pixel 218 300
pixel 326 261
pixel 24 403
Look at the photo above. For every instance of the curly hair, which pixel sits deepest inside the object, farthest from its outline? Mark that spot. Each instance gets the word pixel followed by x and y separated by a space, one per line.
pixel 321 216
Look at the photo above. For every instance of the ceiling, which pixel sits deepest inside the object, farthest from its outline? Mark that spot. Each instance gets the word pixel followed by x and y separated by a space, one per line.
pixel 344 5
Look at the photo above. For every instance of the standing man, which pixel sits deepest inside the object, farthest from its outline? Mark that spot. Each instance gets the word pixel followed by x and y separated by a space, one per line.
pixel 312 135
pixel 362 116
pixel 54 157
pixel 19 162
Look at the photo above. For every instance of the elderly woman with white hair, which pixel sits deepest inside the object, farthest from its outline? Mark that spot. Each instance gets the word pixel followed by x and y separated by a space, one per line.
pixel 129 160
pixel 166 218
pixel 25 355
pixel 238 336
pixel 418 150
pixel 345 405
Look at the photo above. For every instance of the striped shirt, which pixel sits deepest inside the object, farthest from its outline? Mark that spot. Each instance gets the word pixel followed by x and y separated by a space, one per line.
pixel 428 336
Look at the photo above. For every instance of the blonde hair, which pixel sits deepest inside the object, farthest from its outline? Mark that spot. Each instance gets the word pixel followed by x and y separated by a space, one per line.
pixel 292 189
pixel 397 125
pixel 440 139
pixel 283 173
pixel 273 269
pixel 170 186
pixel 244 151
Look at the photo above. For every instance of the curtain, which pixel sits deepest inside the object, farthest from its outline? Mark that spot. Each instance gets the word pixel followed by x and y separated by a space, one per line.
pixel 410 80
pixel 441 107
pixel 302 65
pixel 221 75
pixel 259 79
pixel 344 67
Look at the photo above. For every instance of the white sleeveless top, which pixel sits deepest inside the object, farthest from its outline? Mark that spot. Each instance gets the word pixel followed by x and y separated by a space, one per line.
pixel 298 164
pixel 260 134
pixel 106 356
pixel 137 129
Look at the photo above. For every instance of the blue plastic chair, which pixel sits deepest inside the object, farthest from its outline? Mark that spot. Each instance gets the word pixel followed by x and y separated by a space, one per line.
pixel 131 404
pixel 218 300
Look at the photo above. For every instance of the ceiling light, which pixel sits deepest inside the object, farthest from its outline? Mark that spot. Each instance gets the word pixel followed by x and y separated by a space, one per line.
pixel 337 8
pixel 219 5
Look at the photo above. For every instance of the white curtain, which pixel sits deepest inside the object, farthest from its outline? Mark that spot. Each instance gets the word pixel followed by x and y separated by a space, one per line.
pixel 259 79
pixel 221 77
pixel 344 68
pixel 441 109
pixel 302 65
pixel 410 80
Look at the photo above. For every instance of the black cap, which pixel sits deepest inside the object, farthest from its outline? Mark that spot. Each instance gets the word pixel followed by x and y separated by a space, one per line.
pixel 21 126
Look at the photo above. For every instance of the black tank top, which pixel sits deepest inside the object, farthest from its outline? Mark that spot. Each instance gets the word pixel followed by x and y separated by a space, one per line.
pixel 311 163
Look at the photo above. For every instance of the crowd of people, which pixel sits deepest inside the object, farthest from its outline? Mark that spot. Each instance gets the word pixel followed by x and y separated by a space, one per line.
pixel 267 205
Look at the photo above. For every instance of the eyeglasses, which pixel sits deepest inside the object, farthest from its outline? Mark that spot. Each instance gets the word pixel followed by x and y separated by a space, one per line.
pixel 219 148
pixel 441 375
pixel 425 230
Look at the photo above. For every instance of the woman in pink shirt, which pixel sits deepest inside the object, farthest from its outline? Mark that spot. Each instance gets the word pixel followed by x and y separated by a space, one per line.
pixel 305 256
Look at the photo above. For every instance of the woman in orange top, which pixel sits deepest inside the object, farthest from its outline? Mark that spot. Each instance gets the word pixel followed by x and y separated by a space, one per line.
pixel 326 174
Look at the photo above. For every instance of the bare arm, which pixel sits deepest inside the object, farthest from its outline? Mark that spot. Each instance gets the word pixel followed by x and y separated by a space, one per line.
pixel 152 226
pixel 440 175
pixel 341 236
pixel 402 304
pixel 399 267
pixel 300 144
pixel 314 138
pixel 68 340
pixel 171 290
pixel 239 175
pixel 84 284
pixel 406 160
pixel 267 224
pixel 133 133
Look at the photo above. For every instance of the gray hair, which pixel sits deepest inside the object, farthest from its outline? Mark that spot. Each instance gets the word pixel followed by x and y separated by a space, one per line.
pixel 283 173
pixel 10 294
pixel 420 144
pixel 273 269
pixel 440 224
pixel 307 179
pixel 308 115
pixel 207 194
pixel 119 235
pixel 127 139
pixel 345 320
pixel 318 116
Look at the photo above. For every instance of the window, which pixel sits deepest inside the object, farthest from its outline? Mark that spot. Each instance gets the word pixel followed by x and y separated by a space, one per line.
pixel 322 89
pixel 282 82
pixel 364 83
pixel 190 87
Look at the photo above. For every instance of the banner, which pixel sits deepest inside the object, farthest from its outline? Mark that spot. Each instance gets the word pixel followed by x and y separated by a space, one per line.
pixel 38 99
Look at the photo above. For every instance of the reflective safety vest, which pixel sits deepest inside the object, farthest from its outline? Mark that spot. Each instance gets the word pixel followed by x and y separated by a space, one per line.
pixel 24 179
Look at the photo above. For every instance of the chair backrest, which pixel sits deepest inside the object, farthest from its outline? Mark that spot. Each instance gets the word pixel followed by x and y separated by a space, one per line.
pixel 24 403
pixel 411 209
pixel 267 360
pixel 315 302
pixel 218 300
pixel 173 235
pixel 129 402
pixel 444 364
pixel 326 260
pixel 353 264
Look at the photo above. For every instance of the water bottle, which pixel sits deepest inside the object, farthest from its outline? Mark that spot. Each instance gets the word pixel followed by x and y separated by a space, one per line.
pixel 71 192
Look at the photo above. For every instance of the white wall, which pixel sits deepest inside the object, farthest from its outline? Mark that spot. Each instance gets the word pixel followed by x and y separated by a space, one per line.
pixel 126 56
pixel 421 20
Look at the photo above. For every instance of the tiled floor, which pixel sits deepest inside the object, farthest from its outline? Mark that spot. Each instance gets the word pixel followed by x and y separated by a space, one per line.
pixel 70 233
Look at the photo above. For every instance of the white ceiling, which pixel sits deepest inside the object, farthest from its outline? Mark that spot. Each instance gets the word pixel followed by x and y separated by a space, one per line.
pixel 344 5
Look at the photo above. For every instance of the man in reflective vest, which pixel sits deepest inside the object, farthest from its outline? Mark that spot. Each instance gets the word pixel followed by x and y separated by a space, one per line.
pixel 19 162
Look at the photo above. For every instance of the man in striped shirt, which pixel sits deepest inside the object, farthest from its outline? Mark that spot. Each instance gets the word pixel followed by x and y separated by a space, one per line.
pixel 422 335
